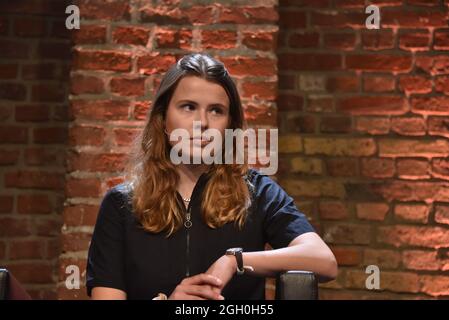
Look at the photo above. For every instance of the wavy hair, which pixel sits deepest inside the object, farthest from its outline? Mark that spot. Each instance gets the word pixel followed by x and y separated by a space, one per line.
pixel 153 177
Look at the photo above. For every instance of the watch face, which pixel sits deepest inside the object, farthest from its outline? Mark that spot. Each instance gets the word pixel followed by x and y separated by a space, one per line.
pixel 233 250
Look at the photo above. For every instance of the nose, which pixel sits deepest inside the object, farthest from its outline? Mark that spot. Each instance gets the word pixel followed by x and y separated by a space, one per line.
pixel 202 116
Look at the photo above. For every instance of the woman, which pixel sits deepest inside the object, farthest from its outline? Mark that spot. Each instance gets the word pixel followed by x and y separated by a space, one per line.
pixel 172 229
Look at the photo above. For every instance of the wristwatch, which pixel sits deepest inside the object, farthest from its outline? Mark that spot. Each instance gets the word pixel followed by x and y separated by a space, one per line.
pixel 237 253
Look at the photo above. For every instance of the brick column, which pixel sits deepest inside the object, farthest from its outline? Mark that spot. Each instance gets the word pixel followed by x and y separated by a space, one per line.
pixel 120 52
pixel 364 117
pixel 34 59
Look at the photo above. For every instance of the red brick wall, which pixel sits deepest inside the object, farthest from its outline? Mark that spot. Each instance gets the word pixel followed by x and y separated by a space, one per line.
pixel 34 55
pixel 119 54
pixel 364 116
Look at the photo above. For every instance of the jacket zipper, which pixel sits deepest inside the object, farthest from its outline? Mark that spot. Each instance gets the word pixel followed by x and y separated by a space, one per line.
pixel 187 225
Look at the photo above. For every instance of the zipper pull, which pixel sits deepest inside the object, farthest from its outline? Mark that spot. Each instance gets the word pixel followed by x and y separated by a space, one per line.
pixel 188 223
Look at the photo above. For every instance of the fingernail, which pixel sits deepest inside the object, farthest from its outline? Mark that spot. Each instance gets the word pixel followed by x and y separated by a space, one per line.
pixel 219 281
pixel 221 297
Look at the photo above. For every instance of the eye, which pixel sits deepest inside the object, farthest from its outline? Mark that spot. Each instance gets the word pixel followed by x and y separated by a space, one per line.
pixel 217 110
pixel 188 107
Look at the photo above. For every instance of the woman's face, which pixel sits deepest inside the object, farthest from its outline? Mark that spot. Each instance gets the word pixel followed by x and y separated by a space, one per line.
pixel 196 99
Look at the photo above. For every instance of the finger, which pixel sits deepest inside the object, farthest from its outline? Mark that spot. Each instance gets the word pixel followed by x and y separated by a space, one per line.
pixel 193 297
pixel 203 278
pixel 203 291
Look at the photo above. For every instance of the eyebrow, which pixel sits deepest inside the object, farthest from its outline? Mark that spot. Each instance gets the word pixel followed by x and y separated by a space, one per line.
pixel 193 102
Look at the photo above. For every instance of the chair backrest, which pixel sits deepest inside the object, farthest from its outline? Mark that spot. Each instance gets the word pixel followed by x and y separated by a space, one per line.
pixel 10 288
pixel 296 285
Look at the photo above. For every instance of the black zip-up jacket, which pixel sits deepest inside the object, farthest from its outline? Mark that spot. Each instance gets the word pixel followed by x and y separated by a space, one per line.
pixel 124 256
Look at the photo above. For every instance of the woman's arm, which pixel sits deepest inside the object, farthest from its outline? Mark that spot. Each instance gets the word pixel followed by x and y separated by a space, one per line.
pixel 306 252
pixel 103 293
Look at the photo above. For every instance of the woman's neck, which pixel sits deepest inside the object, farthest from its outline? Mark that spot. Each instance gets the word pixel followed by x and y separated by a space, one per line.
pixel 188 176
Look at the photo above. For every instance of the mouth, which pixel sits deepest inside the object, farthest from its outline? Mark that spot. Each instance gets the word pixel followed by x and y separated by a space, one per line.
pixel 200 141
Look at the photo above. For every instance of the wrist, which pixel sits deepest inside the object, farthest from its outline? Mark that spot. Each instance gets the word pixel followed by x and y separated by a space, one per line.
pixel 230 262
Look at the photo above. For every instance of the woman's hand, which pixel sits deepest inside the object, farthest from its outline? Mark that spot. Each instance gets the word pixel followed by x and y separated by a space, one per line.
pixel 224 269
pixel 199 287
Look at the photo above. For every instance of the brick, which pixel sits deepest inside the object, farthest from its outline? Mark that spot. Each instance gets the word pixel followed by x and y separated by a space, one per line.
pixel 86 135
pixel 106 162
pixel 339 41
pixel 8 71
pixel 347 256
pixel 309 61
pixel 76 241
pixel 14 227
pixel 6 203
pixel 314 188
pixel 306 166
pixel 263 41
pixel 34 204
pixel 420 236
pixel 319 104
pixel 49 227
pixel 413 148
pixel 412 212
pixel 347 234
pixel 9 157
pixel 4 25
pixel 54 50
pixel 48 93
pixel 32 272
pixel 413 19
pixel 373 105
pixel 442 214
pixel 413 169
pixel 50 135
pixel 384 259
pixel 218 39
pixel 101 60
pixel 411 191
pixel 80 215
pixel 81 84
pixel 299 124
pixel 13 134
pixel 437 105
pixel 82 188
pixel 378 168
pixel 333 210
pixel 98 10
pixel 252 15
pixel 154 63
pixel 339 146
pixel 311 82
pixel 391 281
pixel 438 126
pixel 303 40
pixel 100 109
pixel 420 260
pixel 415 40
pixel 175 39
pixel 442 84
pixel 441 39
pixel 433 65
pixel 377 39
pixel 34 179
pixel 372 125
pixel 410 126
pixel 355 20
pixel 43 156
pixel 435 285
pixel 32 113
pixel 89 34
pixel 372 211
pixel 30 27
pixel 240 66
pixel 131 35
pixel 12 91
pixel 342 167
pixel 260 114
pixel 415 84
pixel 335 125
pixel 379 62
pixel 27 249
pixel 141 109
pixel 290 143
pixel 379 84
pixel 426 3
pixel 342 84
pixel 259 90
pixel 39 71
pixel 125 137
pixel 14 49
pixel 128 86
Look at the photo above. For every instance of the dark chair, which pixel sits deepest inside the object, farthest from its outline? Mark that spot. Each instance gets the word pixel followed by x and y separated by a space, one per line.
pixel 10 288
pixel 296 285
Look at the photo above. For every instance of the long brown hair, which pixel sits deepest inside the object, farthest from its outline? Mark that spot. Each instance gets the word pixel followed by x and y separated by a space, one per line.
pixel 153 177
